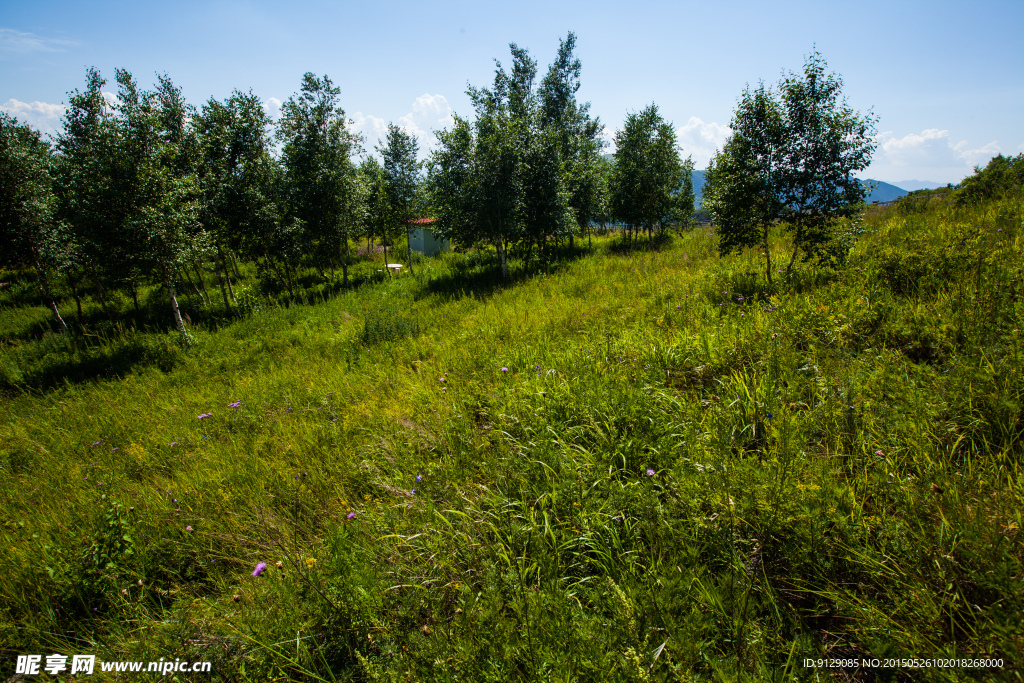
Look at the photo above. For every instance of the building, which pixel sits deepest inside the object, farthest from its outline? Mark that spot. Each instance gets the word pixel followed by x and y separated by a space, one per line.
pixel 422 237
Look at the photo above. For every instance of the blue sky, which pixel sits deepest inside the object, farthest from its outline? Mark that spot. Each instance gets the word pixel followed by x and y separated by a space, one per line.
pixel 946 79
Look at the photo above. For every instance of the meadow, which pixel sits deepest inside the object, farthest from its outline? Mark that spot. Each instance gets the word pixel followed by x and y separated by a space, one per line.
pixel 634 464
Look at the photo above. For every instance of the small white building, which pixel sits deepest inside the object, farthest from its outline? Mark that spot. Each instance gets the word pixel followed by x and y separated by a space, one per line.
pixel 422 238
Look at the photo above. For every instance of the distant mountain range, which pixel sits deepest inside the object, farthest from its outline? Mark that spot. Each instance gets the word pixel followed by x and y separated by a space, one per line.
pixel 882 192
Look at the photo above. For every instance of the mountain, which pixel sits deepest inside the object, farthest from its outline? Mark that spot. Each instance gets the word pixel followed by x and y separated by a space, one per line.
pixel 882 192
pixel 911 185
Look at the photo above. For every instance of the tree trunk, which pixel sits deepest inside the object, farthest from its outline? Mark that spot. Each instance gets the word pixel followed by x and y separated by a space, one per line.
pixel 796 246
pixel 408 242
pixel 270 264
pixel 199 276
pixel 768 256
pixel 223 289
pixel 227 275
pixel 174 307
pixel 234 264
pixel 74 292
pixel 99 291
pixel 288 274
pixel 189 278
pixel 388 270
pixel 49 297
pixel 501 253
pixel 344 264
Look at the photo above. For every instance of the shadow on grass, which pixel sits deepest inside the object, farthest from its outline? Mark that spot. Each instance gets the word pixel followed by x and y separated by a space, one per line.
pixel 624 245
pixel 56 361
pixel 481 278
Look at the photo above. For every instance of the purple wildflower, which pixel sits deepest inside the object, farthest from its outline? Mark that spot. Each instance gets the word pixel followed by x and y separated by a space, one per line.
pixel 236 404
pixel 413 492
pixel 112 450
pixel 203 416
pixel 443 379
pixel 260 568
pixel 351 515
pixel 650 472
pixel 418 479
pixel 537 368
pixel 188 529
pixel 174 443
pixel 770 416
pixel 97 443
pixel 504 369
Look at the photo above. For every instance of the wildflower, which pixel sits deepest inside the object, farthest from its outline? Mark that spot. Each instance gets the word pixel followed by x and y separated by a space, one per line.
pixel 97 443
pixel 770 416
pixel 740 298
pixel 351 515
pixel 203 416
pixel 537 368
pixel 310 562
pixel 296 477
pixel 260 568
pixel 879 453
pixel 678 307
pixel 504 369
pixel 413 492
pixel 188 529
pixel 99 483
pixel 174 443
pixel 112 450
pixel 650 472
pixel 443 379
pixel 279 565
pixel 236 404
pixel 418 478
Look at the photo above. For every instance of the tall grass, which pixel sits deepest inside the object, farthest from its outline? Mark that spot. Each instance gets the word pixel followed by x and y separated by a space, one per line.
pixel 642 465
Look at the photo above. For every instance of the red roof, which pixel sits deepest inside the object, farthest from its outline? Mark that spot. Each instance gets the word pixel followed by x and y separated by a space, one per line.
pixel 420 221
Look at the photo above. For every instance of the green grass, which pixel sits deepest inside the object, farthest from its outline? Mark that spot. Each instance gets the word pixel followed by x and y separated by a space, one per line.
pixel 665 484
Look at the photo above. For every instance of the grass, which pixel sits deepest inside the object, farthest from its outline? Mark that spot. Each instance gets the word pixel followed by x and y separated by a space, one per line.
pixel 643 465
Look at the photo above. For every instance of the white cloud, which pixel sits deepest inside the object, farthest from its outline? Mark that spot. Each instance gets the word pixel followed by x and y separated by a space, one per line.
pixel 932 147
pixel 20 42
pixel 272 106
pixel 372 128
pixel 43 116
pixel 701 140
pixel 429 113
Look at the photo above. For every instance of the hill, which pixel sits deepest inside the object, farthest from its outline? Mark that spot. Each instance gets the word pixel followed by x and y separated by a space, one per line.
pixel 881 192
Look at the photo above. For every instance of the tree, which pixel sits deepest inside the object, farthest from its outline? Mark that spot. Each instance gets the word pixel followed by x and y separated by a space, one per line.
pixel 237 178
pixel 85 196
pixel 319 172
pixel 791 157
pixel 29 232
pixel 452 184
pixel 649 181
pixel 152 175
pixel 577 134
pixel 401 172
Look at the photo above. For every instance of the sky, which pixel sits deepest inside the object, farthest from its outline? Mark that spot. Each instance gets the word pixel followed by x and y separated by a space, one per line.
pixel 945 79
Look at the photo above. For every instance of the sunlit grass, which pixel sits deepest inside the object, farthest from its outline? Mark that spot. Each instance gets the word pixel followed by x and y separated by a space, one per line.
pixel 642 465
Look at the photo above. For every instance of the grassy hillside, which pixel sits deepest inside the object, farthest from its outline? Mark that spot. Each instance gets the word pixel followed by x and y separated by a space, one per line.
pixel 640 466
